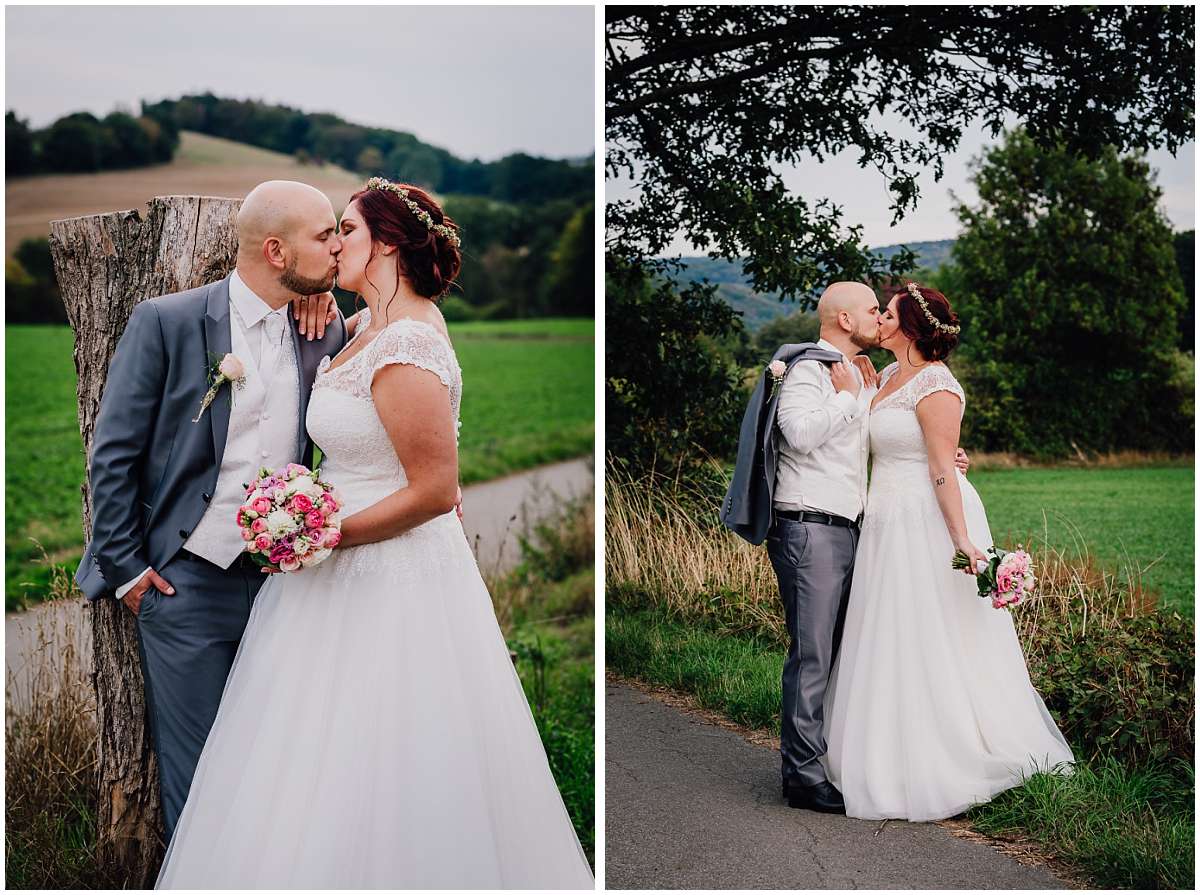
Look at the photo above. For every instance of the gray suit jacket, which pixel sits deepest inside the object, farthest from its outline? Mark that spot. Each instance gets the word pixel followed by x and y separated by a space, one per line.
pixel 748 502
pixel 153 470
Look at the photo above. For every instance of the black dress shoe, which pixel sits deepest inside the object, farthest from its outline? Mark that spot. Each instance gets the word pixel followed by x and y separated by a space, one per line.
pixel 817 797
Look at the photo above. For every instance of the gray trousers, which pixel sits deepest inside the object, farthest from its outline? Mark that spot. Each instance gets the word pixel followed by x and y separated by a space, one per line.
pixel 814 563
pixel 188 641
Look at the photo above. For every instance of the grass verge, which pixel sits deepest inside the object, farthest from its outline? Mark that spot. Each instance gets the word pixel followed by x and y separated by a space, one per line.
pixel 1125 828
pixel 545 607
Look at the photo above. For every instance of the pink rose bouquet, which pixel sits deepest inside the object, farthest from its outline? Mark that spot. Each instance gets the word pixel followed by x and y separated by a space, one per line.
pixel 290 518
pixel 1006 579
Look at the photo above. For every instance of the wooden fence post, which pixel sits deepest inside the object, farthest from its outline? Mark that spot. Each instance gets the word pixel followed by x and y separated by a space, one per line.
pixel 105 264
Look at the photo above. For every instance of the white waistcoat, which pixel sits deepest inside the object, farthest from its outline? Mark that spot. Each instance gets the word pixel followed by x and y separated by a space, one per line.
pixel 264 427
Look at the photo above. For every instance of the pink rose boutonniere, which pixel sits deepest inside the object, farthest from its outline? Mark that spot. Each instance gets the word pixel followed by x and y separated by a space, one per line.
pixel 777 369
pixel 226 369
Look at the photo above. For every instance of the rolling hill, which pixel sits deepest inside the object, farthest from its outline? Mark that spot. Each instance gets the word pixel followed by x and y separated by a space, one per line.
pixel 203 165
pixel 760 308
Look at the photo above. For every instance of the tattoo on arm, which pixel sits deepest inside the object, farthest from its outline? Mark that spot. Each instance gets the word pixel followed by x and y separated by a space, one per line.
pixel 941 480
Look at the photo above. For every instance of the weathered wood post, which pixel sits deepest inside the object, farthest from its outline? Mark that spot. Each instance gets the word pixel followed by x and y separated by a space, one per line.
pixel 105 264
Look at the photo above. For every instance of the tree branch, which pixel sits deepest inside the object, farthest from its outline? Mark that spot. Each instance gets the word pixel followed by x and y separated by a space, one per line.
pixel 623 110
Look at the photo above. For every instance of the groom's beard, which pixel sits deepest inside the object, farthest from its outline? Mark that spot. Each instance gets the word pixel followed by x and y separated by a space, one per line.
pixel 293 282
pixel 863 341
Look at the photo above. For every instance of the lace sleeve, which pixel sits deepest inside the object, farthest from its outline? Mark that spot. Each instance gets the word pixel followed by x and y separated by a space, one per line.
pixel 417 344
pixel 887 372
pixel 936 378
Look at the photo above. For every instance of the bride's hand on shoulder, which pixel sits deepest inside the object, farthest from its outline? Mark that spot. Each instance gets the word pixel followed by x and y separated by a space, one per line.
pixel 315 312
pixel 869 375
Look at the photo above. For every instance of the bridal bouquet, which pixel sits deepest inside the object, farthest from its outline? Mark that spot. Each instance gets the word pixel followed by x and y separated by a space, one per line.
pixel 1007 577
pixel 290 519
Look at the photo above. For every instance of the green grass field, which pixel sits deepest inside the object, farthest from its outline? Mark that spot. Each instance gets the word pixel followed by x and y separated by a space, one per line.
pixel 528 399
pixel 1131 519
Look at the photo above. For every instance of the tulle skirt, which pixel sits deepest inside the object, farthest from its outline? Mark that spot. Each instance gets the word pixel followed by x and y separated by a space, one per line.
pixel 374 734
pixel 929 708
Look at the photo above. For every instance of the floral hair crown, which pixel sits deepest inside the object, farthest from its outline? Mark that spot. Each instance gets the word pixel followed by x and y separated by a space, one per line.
pixel 380 183
pixel 915 291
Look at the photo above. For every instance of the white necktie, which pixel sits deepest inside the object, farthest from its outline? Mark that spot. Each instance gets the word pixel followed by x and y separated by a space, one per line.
pixel 273 326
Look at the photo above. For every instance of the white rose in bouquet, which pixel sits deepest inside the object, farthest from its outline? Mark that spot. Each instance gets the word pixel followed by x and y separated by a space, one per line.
pixel 280 523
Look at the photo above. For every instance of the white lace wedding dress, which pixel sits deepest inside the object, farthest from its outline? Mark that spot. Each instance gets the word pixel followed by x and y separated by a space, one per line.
pixel 929 707
pixel 373 732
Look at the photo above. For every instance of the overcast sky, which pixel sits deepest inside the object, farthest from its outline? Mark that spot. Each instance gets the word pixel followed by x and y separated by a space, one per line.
pixel 864 199
pixel 481 82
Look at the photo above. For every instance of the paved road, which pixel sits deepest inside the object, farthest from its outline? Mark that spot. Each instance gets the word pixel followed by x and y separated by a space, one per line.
pixel 495 513
pixel 692 806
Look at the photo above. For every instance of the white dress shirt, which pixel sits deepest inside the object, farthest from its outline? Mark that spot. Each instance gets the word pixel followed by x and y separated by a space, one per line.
pixel 823 442
pixel 264 421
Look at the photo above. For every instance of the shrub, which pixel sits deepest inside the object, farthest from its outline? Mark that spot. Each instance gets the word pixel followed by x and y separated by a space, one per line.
pixel 672 392
pixel 31 291
pixel 1125 690
pixel 456 309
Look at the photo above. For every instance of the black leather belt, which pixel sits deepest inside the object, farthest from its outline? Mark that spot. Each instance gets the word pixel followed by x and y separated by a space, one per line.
pixel 823 518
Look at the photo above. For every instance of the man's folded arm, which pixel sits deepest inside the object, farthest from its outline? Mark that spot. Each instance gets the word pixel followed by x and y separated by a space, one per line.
pixel 806 416
pixel 124 425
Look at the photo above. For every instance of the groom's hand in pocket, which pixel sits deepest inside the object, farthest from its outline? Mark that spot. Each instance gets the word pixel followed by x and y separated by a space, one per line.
pixel 133 596
pixel 313 313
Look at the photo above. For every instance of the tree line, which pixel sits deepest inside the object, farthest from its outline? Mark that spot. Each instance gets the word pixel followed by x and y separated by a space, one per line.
pixel 81 143
pixel 322 137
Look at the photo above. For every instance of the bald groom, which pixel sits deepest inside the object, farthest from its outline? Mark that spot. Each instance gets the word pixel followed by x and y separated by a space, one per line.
pixel 165 489
pixel 819 495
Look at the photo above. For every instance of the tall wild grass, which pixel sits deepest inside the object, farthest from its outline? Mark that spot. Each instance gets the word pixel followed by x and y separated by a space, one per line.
pixel 50 763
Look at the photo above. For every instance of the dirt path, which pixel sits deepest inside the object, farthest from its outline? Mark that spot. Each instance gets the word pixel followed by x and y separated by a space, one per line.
pixel 691 805
pixel 495 513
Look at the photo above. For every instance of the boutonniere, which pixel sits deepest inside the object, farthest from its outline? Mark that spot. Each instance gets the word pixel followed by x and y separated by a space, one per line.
pixel 777 369
pixel 220 371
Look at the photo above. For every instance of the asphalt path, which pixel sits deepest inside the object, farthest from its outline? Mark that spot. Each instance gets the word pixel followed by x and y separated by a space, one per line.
pixel 689 805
